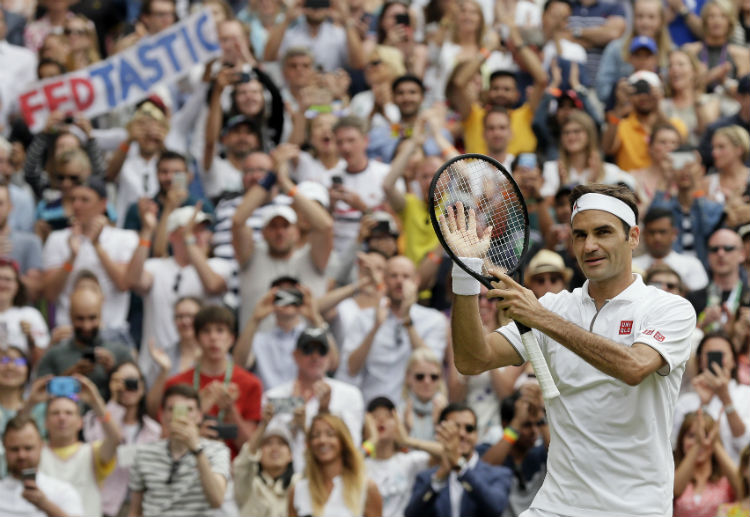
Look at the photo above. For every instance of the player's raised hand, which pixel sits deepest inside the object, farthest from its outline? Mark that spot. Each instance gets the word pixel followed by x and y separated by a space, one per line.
pixel 461 234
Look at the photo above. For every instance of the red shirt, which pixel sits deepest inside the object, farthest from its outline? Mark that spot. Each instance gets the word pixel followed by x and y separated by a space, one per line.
pixel 248 402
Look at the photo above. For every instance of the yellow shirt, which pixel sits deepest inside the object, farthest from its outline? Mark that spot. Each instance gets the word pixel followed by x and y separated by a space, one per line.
pixel 633 152
pixel 523 139
pixel 418 231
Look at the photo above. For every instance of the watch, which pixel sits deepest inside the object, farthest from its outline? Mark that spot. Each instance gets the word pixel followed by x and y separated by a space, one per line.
pixel 196 452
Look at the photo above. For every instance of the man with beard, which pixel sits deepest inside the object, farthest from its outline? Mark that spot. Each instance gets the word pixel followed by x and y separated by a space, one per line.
pixel 239 136
pixel 319 29
pixel 85 353
pixel 627 139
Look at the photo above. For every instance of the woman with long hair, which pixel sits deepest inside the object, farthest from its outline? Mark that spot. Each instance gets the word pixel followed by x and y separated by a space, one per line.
pixel 322 154
pixel 648 20
pixel 658 176
pixel 741 506
pixel 580 160
pixel 717 391
pixel 83 43
pixel 335 483
pixel 424 394
pixel 705 475
pixel 127 407
pixel 21 326
pixel 395 29
pixel 722 59
pixel 730 147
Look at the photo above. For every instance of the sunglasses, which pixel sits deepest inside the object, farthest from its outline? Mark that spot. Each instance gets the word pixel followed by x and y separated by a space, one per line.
pixel 727 248
pixel 469 428
pixel 421 376
pixel 74 178
pixel 310 348
pixel 664 285
pixel 18 361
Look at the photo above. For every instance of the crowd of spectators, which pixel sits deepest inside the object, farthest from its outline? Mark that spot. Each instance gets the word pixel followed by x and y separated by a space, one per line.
pixel 228 299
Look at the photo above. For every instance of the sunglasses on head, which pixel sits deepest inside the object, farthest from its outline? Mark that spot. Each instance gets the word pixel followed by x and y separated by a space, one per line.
pixel 421 376
pixel 18 361
pixel 727 248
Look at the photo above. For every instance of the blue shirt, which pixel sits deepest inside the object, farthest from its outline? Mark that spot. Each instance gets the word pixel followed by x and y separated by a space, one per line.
pixel 679 30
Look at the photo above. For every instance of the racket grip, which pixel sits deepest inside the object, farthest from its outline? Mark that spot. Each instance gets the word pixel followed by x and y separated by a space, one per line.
pixel 549 390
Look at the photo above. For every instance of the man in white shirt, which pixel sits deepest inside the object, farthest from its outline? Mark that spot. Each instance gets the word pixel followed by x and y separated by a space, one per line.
pixel 659 233
pixel 359 187
pixel 616 349
pixel 376 351
pixel 90 243
pixel 316 392
pixel 19 70
pixel 162 281
pixel 26 492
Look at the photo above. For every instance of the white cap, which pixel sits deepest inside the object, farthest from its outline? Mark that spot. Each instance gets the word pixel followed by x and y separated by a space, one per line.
pixel 644 75
pixel 286 212
pixel 182 216
pixel 315 191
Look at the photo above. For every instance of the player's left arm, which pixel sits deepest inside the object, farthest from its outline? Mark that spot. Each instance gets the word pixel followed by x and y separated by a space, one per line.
pixel 630 364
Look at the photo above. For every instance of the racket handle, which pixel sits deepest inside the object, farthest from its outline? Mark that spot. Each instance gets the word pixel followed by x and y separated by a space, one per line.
pixel 549 390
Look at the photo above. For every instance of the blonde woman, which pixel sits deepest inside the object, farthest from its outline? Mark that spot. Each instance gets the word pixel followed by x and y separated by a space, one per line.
pixel 81 34
pixel 580 160
pixel 722 59
pixel 424 395
pixel 648 20
pixel 335 483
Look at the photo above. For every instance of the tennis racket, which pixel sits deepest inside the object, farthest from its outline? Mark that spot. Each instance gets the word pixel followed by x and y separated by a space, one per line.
pixel 486 192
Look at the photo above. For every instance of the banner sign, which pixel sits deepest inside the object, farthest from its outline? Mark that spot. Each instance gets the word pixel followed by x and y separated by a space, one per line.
pixel 126 77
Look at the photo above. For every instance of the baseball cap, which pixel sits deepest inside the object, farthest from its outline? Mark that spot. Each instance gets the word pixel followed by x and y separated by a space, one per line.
pixel 284 211
pixel 643 81
pixel 315 191
pixel 640 42
pixel 97 185
pixel 386 218
pixel 277 430
pixel 238 120
pixel 313 335
pixel 547 261
pixel 182 216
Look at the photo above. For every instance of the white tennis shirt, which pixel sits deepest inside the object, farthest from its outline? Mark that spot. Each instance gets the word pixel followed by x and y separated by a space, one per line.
pixel 610 453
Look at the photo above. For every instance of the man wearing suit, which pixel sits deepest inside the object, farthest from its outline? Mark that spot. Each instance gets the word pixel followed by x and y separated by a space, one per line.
pixel 462 485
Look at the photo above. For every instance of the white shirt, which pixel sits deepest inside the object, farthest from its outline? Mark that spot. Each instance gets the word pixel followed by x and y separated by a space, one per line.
pixel 612 176
pixel 368 184
pixel 137 179
pixel 346 403
pixel 329 46
pixel 385 367
pixel 11 320
pixel 310 168
pixel 158 304
pixel 335 504
pixel 61 493
pixel 119 244
pixel 609 454
pixel 740 394
pixel 455 487
pixel 570 51
pixel 274 362
pixel 19 71
pixel 690 269
pixel 223 177
pixel 362 105
pixel 395 478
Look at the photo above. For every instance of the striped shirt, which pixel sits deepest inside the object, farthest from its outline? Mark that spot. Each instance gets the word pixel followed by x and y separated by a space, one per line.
pixel 595 15
pixel 184 495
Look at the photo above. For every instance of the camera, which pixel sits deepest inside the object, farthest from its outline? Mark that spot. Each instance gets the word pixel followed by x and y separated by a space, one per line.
pixel 403 19
pixel 131 384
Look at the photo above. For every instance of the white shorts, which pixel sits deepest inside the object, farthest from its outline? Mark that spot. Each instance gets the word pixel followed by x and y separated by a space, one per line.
pixel 536 512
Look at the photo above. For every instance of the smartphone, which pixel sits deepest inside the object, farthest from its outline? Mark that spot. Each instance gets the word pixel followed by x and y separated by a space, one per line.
pixel 337 181
pixel 715 357
pixel 403 19
pixel 131 384
pixel 286 404
pixel 69 118
pixel 28 474
pixel 179 411
pixel 681 158
pixel 317 4
pixel 180 180
pixel 63 387
pixel 381 227
pixel 225 431
pixel 89 355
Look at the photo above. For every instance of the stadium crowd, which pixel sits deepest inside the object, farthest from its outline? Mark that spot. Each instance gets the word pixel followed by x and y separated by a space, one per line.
pixel 228 298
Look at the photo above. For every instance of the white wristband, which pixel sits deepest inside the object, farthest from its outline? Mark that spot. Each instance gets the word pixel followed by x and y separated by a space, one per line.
pixel 463 283
pixel 729 409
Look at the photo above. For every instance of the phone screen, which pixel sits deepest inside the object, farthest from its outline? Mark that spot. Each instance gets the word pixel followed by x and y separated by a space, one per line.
pixel 179 411
pixel 715 357
pixel 681 158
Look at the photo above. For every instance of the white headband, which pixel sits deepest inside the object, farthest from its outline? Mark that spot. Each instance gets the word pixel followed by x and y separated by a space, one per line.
pixel 614 206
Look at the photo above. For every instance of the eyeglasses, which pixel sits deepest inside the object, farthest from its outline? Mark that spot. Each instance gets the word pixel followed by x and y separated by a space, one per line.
pixel 664 285
pixel 728 248
pixel 17 361
pixel 310 348
pixel 74 178
pixel 422 376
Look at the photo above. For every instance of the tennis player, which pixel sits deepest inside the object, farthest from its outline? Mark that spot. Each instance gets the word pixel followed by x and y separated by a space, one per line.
pixel 616 349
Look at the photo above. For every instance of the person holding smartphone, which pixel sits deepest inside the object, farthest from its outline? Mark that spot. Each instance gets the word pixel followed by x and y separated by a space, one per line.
pixel 27 492
pixel 718 393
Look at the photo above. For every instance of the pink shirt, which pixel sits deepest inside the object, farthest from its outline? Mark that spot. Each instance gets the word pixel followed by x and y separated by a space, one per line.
pixel 705 504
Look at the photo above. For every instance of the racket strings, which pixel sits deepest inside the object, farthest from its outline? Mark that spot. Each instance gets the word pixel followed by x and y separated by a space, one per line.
pixel 485 189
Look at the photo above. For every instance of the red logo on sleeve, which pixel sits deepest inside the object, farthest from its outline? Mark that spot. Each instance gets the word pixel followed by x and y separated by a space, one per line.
pixel 626 327
pixel 648 332
pixel 659 337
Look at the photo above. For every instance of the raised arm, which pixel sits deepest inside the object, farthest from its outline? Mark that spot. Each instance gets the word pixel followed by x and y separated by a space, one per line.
pixel 112 435
pixel 117 272
pixel 213 283
pixel 224 78
pixel 54 279
pixel 138 279
pixel 393 195
pixel 276 34
pixel 242 235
